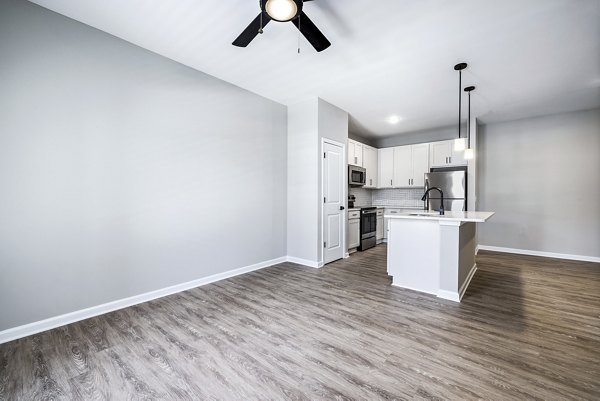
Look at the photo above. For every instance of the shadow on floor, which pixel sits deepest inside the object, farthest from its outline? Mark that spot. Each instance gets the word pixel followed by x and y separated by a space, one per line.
pixel 496 293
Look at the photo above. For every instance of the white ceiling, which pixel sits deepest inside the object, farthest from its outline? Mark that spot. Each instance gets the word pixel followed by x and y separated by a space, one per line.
pixel 388 57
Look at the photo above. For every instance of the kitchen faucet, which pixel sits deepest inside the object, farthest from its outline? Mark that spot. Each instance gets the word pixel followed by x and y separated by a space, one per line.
pixel 441 196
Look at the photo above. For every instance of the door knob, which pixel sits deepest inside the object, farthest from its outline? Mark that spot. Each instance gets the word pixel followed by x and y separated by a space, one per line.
pixel 342 207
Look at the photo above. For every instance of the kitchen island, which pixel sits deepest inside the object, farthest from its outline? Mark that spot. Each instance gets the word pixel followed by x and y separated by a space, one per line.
pixel 433 253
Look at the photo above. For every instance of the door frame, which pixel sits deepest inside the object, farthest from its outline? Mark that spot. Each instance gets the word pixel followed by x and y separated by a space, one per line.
pixel 344 197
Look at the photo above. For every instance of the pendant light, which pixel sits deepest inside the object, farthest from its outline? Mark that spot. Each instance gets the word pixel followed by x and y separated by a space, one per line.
pixel 459 143
pixel 469 153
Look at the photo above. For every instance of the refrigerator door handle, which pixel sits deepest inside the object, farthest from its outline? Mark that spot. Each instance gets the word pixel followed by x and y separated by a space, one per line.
pixel 426 184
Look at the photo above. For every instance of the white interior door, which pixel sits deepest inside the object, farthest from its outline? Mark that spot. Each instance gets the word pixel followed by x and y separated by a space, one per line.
pixel 333 206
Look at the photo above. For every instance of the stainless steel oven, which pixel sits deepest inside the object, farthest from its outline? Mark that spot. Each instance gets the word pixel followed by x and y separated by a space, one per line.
pixel 368 228
pixel 357 176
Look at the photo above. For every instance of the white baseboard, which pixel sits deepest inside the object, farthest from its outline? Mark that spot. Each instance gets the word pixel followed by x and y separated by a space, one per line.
pixel 61 320
pixel 457 296
pixel 539 253
pixel 449 295
pixel 465 285
pixel 413 289
pixel 304 262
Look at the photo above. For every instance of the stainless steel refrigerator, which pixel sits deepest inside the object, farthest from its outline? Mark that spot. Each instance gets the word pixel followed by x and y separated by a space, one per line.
pixel 453 182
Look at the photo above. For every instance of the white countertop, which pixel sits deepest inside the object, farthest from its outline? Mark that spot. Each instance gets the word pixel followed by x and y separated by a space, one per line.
pixel 401 207
pixel 467 217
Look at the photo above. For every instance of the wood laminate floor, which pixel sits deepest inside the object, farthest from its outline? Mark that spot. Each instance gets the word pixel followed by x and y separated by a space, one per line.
pixel 528 328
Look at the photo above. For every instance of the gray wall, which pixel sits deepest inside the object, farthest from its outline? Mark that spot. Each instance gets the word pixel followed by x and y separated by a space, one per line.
pixel 362 139
pixel 303 178
pixel 432 135
pixel 308 123
pixel 124 172
pixel 333 125
pixel 542 178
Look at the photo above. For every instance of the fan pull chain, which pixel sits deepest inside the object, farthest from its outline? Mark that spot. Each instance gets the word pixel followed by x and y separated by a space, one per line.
pixel 260 30
pixel 299 26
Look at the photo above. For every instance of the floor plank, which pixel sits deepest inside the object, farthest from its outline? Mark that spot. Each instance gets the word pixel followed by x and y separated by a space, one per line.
pixel 528 328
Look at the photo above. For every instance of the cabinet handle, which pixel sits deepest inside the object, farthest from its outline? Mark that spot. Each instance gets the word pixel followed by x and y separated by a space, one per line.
pixel 355 159
pixel 391 183
pixel 371 181
pixel 450 159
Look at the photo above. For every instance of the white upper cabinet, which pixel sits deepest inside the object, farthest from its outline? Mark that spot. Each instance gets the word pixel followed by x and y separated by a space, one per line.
pixel 444 155
pixel 370 163
pixel 403 166
pixel 355 153
pixel 403 169
pixel 439 153
pixel 458 157
pixel 386 167
pixel 420 164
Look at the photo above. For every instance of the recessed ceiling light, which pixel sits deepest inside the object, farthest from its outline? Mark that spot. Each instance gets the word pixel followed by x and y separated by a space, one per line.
pixel 393 119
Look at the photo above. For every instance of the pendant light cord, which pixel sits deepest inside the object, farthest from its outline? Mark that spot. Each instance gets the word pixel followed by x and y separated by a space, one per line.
pixel 469 124
pixel 459 99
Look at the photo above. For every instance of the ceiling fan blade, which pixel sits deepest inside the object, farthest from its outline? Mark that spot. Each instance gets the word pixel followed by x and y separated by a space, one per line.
pixel 251 31
pixel 311 32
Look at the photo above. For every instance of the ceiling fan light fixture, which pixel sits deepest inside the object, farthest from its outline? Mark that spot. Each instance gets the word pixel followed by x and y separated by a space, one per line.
pixel 281 10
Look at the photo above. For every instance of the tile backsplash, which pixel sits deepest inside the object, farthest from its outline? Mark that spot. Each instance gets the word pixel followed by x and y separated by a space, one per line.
pixel 363 196
pixel 401 197
pixel 398 197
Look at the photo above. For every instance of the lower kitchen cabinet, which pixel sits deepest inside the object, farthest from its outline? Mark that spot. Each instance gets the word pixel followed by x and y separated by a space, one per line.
pixel 380 227
pixel 353 229
pixel 385 222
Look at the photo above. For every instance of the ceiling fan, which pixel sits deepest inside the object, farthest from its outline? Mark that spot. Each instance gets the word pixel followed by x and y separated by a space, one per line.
pixel 283 11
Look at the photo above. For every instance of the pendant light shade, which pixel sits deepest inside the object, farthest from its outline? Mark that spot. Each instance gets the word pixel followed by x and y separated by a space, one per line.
pixel 469 153
pixel 459 143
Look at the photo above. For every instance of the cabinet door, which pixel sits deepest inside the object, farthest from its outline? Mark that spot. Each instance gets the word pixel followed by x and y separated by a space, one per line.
pixel 379 231
pixel 370 163
pixel 353 233
pixel 403 171
pixel 351 152
pixel 420 162
pixel 386 167
pixel 440 152
pixel 358 154
pixel 457 158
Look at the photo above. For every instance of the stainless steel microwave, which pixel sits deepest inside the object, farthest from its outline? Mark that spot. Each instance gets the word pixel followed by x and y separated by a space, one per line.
pixel 357 176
